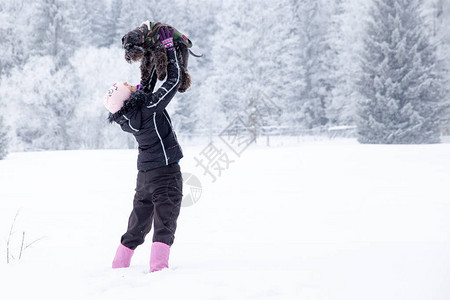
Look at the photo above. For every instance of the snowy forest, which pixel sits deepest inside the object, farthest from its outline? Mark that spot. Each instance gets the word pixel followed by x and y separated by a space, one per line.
pixel 377 69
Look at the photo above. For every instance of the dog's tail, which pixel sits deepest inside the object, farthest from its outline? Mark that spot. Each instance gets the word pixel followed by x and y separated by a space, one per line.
pixel 193 54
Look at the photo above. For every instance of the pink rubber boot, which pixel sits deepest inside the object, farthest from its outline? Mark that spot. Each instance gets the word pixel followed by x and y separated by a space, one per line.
pixel 123 257
pixel 159 258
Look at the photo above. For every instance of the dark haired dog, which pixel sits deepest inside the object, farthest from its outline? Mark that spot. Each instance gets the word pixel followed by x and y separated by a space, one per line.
pixel 142 44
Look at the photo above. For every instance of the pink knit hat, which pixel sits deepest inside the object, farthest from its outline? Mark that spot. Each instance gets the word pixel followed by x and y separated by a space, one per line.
pixel 115 97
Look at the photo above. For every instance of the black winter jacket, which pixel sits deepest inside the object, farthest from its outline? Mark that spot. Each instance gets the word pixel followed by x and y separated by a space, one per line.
pixel 144 115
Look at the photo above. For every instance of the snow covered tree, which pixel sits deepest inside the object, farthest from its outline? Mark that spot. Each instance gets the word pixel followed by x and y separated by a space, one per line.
pixel 3 139
pixel 47 23
pixel 261 57
pixel 13 34
pixel 100 26
pixel 113 36
pixel 89 128
pixel 54 30
pixel 315 52
pixel 77 17
pixel 188 16
pixel 253 53
pixel 41 112
pixel 346 45
pixel 440 18
pixel 132 14
pixel 402 93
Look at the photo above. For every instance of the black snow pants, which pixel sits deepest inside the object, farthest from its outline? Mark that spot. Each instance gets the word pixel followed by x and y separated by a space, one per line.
pixel 158 198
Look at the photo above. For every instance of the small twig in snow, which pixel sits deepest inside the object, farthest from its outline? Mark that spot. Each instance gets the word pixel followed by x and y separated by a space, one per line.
pixel 9 238
pixel 21 246
pixel 36 240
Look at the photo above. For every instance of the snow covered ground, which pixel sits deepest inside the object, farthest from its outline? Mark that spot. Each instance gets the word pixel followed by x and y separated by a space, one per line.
pixel 315 220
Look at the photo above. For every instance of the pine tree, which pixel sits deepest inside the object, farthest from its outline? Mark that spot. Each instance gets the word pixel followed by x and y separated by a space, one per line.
pixel 189 110
pixel 277 70
pixel 100 24
pixel 254 52
pixel 3 140
pixel 294 79
pixel 78 22
pixel 47 24
pixel 53 32
pixel 401 91
pixel 316 51
pixel 440 15
pixel 344 36
pixel 13 34
pixel 132 14
pixel 113 37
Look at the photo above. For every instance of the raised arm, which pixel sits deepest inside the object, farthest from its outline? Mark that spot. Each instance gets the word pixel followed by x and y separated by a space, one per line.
pixel 149 83
pixel 158 100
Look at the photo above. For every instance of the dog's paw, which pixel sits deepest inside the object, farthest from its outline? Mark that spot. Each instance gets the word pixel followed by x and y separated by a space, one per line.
pixel 185 82
pixel 161 62
pixel 161 74
pixel 161 67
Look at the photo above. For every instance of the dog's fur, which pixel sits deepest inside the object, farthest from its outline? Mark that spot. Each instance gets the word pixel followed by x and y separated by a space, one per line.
pixel 154 56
